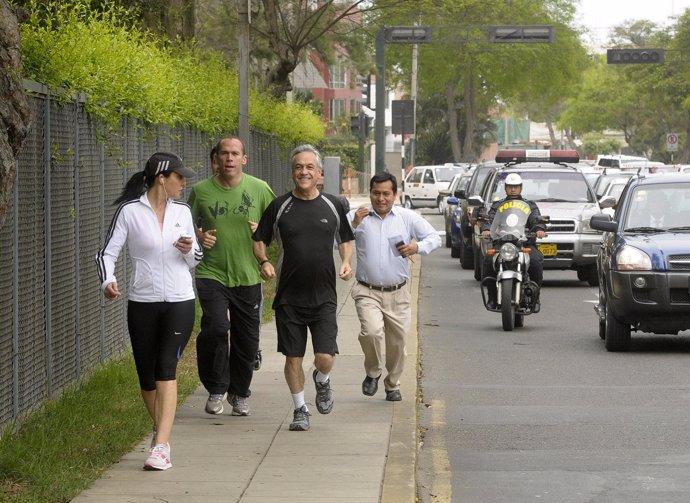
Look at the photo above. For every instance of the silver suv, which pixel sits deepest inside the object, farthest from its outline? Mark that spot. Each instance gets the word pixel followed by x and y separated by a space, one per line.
pixel 561 192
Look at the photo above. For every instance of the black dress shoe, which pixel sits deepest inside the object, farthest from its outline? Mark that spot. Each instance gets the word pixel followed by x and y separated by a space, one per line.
pixel 370 385
pixel 393 395
pixel 491 304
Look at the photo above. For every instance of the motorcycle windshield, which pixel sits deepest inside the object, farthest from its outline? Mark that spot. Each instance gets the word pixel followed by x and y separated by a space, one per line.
pixel 510 219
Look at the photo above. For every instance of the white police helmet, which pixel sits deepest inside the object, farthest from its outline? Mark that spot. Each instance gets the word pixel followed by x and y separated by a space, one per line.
pixel 513 179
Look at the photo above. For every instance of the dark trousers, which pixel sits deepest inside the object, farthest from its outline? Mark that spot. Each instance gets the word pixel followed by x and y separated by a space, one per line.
pixel 228 365
pixel 159 332
pixel 536 271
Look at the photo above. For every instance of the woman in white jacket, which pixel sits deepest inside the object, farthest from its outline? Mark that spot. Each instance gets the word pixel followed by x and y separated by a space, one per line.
pixel 161 242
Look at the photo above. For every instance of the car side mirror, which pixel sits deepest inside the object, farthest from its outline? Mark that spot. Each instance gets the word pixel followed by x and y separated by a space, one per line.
pixel 607 202
pixel 603 222
pixel 460 194
pixel 475 201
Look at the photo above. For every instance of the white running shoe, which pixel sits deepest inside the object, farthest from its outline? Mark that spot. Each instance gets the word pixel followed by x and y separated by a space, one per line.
pixel 159 458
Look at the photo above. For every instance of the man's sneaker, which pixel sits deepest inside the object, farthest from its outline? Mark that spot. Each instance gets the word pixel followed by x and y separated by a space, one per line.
pixel 240 406
pixel 300 419
pixel 214 404
pixel 393 395
pixel 324 395
pixel 159 458
pixel 257 360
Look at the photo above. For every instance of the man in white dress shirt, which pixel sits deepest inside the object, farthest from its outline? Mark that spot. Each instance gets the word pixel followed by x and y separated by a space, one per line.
pixel 387 236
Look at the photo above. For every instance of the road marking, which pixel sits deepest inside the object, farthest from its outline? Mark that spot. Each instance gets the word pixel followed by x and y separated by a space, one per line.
pixel 441 488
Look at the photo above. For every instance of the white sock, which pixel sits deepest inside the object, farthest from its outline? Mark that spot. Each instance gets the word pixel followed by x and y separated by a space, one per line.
pixel 320 376
pixel 298 399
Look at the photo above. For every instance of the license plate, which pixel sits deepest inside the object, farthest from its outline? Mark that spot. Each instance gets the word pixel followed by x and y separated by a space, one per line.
pixel 548 250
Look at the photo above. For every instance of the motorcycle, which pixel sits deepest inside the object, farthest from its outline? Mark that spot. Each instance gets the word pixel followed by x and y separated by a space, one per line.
pixel 517 294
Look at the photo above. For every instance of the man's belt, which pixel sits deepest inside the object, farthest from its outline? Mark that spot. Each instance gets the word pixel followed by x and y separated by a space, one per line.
pixel 391 288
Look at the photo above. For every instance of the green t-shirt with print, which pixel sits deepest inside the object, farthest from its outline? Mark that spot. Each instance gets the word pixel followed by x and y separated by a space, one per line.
pixel 231 261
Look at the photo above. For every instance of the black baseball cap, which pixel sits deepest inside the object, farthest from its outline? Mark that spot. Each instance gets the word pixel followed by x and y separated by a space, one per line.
pixel 162 162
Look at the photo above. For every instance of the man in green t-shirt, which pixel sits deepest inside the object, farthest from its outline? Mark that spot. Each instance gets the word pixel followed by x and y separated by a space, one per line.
pixel 226 207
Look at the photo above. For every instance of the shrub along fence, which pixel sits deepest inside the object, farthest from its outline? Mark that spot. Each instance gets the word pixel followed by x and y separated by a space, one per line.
pixel 54 322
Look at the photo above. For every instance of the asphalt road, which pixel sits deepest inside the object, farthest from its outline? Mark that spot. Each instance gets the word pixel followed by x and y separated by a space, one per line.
pixel 544 413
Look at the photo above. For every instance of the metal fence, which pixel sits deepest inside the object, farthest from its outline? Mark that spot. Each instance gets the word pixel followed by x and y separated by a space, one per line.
pixel 54 323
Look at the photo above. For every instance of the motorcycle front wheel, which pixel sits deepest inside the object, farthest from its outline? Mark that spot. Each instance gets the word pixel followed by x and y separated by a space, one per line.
pixel 507 305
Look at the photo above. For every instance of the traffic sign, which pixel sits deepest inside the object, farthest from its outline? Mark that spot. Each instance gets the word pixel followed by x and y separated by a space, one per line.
pixel 671 142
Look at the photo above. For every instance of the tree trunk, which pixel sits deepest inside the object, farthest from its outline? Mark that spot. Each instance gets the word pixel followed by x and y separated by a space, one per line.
pixel 15 114
pixel 470 120
pixel 455 146
pixel 277 80
pixel 552 133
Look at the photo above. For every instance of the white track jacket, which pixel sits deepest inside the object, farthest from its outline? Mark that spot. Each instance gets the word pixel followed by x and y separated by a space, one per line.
pixel 160 273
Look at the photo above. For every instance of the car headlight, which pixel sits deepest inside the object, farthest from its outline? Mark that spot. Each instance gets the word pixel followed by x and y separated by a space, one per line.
pixel 508 252
pixel 633 259
pixel 585 228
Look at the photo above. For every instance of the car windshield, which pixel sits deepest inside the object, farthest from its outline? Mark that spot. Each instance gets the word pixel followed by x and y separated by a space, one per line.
pixel 447 173
pixel 659 207
pixel 545 186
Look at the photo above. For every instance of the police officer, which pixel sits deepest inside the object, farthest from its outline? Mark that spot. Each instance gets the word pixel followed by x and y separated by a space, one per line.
pixel 513 188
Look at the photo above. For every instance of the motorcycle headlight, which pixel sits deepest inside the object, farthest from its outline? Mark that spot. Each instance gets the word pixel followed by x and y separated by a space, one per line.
pixel 633 259
pixel 508 252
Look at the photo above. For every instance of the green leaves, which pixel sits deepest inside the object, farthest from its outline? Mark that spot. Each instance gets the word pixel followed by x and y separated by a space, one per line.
pixel 125 72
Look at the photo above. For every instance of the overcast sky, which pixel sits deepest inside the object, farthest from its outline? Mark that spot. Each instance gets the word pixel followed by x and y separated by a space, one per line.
pixel 600 15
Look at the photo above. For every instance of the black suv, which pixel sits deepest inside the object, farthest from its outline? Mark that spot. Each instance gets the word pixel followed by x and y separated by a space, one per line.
pixel 644 260
pixel 466 254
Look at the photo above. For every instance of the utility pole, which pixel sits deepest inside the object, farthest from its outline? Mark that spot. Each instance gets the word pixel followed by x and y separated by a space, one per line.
pixel 244 11
pixel 380 121
pixel 413 138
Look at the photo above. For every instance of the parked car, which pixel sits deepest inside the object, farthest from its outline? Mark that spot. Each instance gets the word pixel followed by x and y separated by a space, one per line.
pixel 648 167
pixel 422 186
pixel 562 193
pixel 452 187
pixel 452 222
pixel 606 177
pixel 616 161
pixel 643 265
pixel 467 220
pixel 614 189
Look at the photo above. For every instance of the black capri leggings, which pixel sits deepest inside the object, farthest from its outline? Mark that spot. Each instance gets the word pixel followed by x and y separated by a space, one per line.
pixel 159 332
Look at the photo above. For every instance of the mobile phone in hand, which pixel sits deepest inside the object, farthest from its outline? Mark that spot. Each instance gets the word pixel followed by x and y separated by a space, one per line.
pixel 185 237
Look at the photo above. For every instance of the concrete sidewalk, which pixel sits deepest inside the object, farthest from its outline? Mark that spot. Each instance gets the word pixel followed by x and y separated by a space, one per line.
pixel 363 451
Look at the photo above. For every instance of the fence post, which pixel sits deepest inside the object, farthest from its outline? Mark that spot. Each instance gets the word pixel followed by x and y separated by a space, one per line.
pixel 101 240
pixel 15 295
pixel 47 168
pixel 77 244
